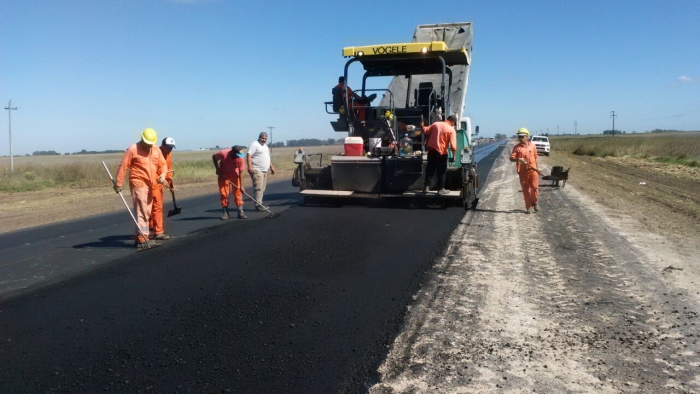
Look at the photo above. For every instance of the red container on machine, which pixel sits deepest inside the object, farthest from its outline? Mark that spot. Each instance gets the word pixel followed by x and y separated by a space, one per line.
pixel 353 146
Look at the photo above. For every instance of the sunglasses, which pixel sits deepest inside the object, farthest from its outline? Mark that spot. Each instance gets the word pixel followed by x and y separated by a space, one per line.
pixel 521 136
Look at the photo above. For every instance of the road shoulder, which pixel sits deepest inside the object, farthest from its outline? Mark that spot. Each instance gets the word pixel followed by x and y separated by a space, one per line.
pixel 578 298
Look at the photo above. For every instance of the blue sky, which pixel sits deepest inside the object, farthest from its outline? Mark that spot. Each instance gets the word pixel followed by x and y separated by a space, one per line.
pixel 91 74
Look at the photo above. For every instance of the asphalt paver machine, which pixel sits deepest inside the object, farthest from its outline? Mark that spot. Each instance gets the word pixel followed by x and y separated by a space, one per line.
pixel 385 149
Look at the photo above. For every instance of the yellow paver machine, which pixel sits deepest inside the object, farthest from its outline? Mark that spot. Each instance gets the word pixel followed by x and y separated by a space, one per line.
pixel 384 154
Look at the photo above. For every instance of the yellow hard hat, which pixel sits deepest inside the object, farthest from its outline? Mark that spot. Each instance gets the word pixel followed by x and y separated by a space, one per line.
pixel 149 136
pixel 523 131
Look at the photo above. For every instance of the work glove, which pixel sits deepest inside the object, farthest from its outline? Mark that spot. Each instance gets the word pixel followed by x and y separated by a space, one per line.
pixel 452 159
pixel 522 160
pixel 161 179
pixel 218 171
pixel 117 189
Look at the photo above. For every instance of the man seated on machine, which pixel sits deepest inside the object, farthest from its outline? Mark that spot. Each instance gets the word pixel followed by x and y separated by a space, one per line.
pixel 356 102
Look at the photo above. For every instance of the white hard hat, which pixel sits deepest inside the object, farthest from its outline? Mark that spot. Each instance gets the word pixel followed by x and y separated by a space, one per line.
pixel 167 141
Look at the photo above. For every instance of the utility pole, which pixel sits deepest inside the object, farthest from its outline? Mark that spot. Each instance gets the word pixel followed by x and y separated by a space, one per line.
pixel 9 118
pixel 575 129
pixel 612 114
pixel 270 140
pixel 557 129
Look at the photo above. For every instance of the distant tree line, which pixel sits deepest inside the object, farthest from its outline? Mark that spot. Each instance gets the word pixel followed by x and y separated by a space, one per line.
pixel 500 136
pixel 92 152
pixel 311 142
pixel 671 131
pixel 45 153
pixel 615 132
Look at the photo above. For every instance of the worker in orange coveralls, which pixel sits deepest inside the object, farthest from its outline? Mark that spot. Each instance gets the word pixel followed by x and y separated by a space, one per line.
pixel 144 162
pixel 230 164
pixel 440 136
pixel 156 222
pixel 525 156
pixel 356 102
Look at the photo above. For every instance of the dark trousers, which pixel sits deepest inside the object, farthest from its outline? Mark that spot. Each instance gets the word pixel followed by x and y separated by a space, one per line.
pixel 439 162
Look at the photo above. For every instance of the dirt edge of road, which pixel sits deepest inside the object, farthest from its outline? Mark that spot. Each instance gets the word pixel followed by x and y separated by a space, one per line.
pixel 580 297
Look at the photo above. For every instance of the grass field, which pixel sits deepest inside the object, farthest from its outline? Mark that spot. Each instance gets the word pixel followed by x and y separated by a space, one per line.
pixel 678 148
pixel 86 171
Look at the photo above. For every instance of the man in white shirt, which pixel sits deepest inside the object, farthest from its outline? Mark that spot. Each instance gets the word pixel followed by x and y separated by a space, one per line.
pixel 259 164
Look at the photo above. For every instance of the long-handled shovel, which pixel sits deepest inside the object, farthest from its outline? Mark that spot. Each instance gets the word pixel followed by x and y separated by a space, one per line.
pixel 148 243
pixel 177 209
pixel 534 168
pixel 272 215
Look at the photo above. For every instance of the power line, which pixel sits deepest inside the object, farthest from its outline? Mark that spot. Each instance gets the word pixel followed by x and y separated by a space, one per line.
pixel 9 118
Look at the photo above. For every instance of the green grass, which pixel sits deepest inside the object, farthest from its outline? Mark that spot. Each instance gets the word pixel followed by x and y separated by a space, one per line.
pixel 677 148
pixel 689 163
pixel 86 171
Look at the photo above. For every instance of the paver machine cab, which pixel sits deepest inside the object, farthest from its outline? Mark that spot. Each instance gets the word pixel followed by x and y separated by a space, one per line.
pixel 385 150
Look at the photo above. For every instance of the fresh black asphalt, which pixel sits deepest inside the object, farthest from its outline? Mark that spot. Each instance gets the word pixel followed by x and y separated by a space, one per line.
pixel 306 302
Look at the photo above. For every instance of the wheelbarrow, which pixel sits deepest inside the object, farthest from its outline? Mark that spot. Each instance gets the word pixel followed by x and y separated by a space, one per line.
pixel 558 174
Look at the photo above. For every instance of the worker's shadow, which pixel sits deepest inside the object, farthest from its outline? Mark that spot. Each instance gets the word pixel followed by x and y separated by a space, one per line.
pixel 216 215
pixel 200 217
pixel 113 241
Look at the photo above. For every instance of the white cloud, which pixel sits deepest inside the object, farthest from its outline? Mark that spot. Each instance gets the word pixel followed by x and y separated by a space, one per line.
pixel 686 79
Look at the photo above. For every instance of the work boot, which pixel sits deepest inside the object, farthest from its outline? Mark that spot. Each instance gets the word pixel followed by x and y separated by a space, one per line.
pixel 241 215
pixel 259 208
pixel 161 236
pixel 529 211
pixel 145 245
pixel 224 216
pixel 536 208
pixel 442 191
pixel 425 189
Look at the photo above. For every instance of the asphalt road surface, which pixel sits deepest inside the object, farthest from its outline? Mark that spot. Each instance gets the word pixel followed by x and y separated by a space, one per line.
pixel 305 302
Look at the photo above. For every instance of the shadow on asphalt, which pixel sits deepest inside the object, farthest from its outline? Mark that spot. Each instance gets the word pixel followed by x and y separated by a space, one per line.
pixel 113 241
pixel 294 196
pixel 200 217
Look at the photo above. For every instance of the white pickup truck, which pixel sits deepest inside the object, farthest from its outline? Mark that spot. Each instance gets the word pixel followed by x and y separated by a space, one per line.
pixel 541 143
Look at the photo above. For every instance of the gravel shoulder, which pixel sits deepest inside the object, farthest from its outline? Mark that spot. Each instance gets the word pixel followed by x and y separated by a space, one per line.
pixel 597 293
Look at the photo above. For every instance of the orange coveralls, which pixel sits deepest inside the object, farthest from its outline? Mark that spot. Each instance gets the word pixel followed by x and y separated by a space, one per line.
pixel 231 167
pixel 529 180
pixel 144 165
pixel 156 222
